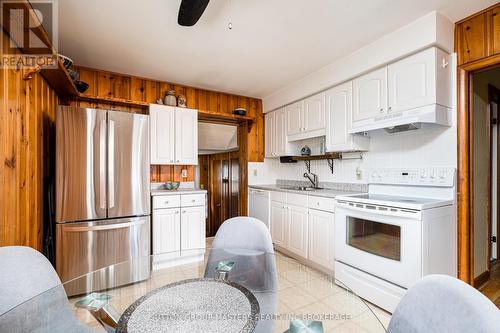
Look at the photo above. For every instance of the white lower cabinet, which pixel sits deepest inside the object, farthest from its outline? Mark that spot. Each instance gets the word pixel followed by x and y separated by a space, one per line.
pixel 297 230
pixel 193 228
pixel 178 225
pixel 166 230
pixel 278 225
pixel 303 226
pixel 321 238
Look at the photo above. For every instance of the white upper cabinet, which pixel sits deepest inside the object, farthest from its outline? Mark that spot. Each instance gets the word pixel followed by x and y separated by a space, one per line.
pixel 186 136
pixel 370 94
pixel 280 141
pixel 269 134
pixel 295 118
pixel 339 121
pixel 414 90
pixel 306 118
pixel 413 80
pixel 162 120
pixel 314 113
pixel 174 135
pixel 276 143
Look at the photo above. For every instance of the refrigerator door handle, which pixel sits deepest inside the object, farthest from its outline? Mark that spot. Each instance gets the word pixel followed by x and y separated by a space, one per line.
pixel 102 165
pixel 103 227
pixel 111 164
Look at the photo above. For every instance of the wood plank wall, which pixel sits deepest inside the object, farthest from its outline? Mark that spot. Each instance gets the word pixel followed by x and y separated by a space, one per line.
pixel 108 84
pixel 27 114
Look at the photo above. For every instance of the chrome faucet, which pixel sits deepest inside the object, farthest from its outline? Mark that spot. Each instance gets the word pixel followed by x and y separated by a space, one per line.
pixel 312 178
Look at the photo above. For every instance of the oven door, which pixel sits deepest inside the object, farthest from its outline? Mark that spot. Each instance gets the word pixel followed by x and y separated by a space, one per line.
pixel 376 240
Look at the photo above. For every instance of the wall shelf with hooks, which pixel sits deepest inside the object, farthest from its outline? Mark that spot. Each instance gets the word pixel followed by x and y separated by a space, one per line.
pixel 329 157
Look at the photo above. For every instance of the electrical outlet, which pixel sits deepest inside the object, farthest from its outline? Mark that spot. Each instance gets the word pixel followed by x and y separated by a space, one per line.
pixel 184 173
pixel 359 173
pixel 255 172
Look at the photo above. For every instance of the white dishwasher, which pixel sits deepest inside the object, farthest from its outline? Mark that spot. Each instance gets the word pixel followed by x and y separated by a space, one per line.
pixel 259 205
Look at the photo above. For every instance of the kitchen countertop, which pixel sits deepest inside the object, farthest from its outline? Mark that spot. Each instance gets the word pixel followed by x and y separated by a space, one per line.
pixel 327 193
pixel 179 191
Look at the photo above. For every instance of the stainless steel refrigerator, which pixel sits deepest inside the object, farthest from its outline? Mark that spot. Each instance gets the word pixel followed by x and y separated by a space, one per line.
pixel 102 197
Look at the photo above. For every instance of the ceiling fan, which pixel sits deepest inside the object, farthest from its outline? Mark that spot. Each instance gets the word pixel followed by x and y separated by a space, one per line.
pixel 190 11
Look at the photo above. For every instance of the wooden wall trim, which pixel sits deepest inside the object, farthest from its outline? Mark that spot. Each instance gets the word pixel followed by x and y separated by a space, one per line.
pixel 27 118
pixel 486 56
pixel 110 84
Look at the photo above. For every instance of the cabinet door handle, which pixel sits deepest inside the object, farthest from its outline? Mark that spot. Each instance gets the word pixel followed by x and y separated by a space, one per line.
pixel 390 108
pixel 193 200
pixel 177 161
pixel 183 212
pixel 176 212
pixel 166 202
pixel 171 161
pixel 381 110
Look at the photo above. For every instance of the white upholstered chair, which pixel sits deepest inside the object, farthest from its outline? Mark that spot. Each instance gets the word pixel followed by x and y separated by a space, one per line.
pixel 440 303
pixel 247 242
pixel 26 275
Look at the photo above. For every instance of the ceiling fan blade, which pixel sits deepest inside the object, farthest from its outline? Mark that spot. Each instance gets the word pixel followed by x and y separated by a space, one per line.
pixel 191 11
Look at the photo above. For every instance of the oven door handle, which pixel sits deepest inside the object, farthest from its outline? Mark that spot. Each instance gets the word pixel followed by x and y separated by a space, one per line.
pixel 400 213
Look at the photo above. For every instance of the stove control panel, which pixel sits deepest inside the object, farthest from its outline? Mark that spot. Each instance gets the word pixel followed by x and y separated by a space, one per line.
pixel 442 177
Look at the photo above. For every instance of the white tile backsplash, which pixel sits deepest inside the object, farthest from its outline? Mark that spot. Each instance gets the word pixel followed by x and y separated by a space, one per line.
pixel 428 146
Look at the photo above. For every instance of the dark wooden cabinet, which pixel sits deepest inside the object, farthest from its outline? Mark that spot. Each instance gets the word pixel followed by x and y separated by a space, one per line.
pixel 220 175
pixel 478 36
pixel 494 21
pixel 472 44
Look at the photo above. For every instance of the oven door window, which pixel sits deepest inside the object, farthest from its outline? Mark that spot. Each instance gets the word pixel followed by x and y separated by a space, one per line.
pixel 377 238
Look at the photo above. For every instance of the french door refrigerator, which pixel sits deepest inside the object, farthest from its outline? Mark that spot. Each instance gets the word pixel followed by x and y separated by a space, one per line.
pixel 102 197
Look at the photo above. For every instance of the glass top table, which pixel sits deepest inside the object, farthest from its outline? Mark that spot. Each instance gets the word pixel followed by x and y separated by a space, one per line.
pixel 205 290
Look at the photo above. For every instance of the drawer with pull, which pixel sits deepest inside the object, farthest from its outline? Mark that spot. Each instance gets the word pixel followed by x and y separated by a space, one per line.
pixel 321 203
pixel 166 201
pixel 190 200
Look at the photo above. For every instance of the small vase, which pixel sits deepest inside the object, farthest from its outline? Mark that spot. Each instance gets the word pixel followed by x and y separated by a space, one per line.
pixel 170 98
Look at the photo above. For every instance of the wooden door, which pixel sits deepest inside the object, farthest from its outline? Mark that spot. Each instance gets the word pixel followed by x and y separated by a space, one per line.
pixel 162 123
pixel 186 136
pixel 321 226
pixel 217 196
pixel 412 81
pixel 234 186
pixel 193 228
pixel 297 223
pixel 278 224
pixel 314 112
pixel 370 95
pixel 166 230
pixel 295 116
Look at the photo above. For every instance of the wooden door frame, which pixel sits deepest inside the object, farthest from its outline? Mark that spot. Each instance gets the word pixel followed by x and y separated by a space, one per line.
pixel 465 150
pixel 492 90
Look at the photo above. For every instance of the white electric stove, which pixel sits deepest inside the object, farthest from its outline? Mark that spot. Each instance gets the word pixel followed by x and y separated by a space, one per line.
pixel 402 229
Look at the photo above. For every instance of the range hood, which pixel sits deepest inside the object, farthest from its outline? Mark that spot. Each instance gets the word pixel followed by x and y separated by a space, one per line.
pixel 433 114
pixel 216 138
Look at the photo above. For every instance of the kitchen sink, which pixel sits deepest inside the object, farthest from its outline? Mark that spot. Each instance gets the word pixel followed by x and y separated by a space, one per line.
pixel 301 188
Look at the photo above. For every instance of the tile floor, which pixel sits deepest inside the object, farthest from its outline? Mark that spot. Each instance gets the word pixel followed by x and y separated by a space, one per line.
pixel 301 290
pixel 492 288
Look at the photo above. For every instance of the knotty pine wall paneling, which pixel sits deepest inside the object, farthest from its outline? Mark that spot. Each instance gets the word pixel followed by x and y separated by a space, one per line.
pixel 108 84
pixel 27 117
